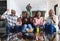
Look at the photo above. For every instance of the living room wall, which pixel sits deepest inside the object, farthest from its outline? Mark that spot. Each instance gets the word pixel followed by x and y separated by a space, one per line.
pixel 20 5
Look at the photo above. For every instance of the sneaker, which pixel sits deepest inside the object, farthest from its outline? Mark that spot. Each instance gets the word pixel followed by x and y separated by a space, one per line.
pixel 8 38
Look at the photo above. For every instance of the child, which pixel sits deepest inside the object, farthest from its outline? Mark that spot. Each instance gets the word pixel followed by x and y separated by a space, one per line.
pixel 38 20
pixel 19 21
pixel 19 24
pixel 38 23
pixel 27 27
pixel 40 37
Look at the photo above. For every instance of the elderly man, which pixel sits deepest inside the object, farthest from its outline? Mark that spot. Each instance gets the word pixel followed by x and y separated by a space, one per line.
pixel 52 25
pixel 11 21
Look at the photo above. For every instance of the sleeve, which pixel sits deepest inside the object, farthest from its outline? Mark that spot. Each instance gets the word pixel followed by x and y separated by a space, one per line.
pixel 4 16
pixel 56 20
pixel 45 20
pixel 5 12
pixel 42 21
pixel 34 21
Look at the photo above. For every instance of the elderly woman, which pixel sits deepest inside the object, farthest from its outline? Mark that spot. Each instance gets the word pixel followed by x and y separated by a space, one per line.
pixel 51 26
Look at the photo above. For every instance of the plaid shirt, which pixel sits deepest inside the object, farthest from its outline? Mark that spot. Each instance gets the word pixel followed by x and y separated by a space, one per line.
pixel 11 20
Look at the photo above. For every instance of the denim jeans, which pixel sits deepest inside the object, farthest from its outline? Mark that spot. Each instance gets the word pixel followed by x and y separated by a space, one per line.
pixel 9 29
pixel 50 29
pixel 19 28
pixel 25 26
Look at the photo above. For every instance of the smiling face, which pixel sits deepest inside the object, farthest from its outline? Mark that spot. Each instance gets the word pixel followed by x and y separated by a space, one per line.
pixel 19 19
pixel 27 15
pixel 38 14
pixel 51 12
pixel 13 12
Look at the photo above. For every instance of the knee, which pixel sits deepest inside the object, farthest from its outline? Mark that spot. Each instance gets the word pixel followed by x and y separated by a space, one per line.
pixel 25 25
pixel 29 25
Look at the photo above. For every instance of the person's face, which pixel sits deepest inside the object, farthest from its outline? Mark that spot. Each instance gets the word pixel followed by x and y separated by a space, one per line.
pixel 39 14
pixel 51 12
pixel 13 12
pixel 19 19
pixel 27 14
pixel 31 20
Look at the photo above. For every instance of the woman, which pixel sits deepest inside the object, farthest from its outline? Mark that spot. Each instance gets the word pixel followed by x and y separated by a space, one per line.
pixel 27 25
pixel 38 23
pixel 51 26
pixel 27 29
pixel 38 20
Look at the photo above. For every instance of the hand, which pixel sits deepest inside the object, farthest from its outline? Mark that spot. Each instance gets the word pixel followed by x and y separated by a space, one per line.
pixel 51 17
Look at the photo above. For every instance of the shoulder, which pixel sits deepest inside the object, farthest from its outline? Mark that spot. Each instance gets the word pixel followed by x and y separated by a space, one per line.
pixel 16 16
pixel 8 15
pixel 55 17
pixel 35 18
pixel 41 17
pixel 48 17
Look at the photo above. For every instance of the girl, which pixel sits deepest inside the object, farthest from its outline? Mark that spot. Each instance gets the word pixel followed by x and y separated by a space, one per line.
pixel 38 23
pixel 27 25
pixel 19 24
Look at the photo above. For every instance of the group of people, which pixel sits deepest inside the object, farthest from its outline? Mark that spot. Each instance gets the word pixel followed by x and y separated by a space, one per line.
pixel 29 24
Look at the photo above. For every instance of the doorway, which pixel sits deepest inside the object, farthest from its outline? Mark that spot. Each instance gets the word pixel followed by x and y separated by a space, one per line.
pixel 3 6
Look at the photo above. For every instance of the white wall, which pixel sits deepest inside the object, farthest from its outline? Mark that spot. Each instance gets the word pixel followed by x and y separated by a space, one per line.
pixel 12 4
pixel 20 5
pixel 59 6
pixel 51 6
pixel 52 3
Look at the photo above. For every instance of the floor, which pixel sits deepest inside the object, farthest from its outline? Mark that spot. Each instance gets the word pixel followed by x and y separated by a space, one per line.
pixel 28 40
pixel 34 40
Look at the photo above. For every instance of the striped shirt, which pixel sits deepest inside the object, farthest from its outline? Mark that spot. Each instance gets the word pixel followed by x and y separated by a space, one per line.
pixel 11 20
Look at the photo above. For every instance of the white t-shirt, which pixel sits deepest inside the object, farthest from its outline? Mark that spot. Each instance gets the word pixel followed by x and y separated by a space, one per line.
pixel 49 20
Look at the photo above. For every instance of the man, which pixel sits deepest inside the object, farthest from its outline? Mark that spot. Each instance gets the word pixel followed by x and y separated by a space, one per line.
pixel 52 25
pixel 5 14
pixel 11 21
